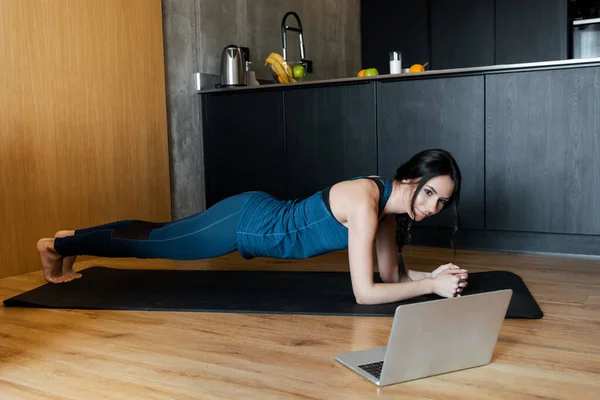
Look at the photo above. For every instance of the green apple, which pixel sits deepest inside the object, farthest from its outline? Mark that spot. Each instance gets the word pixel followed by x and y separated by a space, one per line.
pixel 371 72
pixel 298 71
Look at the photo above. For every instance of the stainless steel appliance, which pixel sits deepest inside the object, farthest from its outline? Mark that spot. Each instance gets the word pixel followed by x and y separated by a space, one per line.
pixel 586 38
pixel 234 66
pixel 584 16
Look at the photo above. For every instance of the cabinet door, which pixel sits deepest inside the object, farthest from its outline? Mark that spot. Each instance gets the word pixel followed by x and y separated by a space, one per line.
pixel 243 143
pixel 543 151
pixel 531 31
pixel 398 25
pixel 330 136
pixel 462 33
pixel 446 113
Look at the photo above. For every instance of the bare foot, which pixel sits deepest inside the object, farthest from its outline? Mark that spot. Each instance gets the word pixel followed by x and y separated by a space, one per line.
pixel 67 265
pixel 52 263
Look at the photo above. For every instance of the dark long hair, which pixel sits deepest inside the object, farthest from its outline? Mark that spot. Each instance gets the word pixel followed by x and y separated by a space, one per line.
pixel 424 166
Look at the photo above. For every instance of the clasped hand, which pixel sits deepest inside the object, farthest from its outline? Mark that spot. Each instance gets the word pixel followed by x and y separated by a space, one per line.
pixel 449 280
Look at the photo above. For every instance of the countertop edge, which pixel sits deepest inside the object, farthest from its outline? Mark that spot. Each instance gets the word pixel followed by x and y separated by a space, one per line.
pixel 420 75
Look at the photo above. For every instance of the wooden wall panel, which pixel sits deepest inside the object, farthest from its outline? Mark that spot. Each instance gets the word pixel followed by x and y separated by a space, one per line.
pixel 83 131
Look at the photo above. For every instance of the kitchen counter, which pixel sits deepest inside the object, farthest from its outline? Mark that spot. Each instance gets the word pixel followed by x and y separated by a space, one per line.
pixel 525 135
pixel 493 69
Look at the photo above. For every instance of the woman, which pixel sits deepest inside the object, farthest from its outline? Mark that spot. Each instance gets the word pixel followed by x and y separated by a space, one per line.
pixel 350 214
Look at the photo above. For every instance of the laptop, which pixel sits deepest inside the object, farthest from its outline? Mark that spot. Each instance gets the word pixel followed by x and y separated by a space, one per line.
pixel 434 337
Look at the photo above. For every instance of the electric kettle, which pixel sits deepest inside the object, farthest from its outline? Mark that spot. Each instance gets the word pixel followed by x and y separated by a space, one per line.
pixel 233 67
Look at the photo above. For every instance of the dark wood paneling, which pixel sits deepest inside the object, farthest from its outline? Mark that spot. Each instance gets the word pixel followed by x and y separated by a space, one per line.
pixel 330 136
pixel 394 25
pixel 543 151
pixel 531 30
pixel 244 144
pixel 462 33
pixel 443 113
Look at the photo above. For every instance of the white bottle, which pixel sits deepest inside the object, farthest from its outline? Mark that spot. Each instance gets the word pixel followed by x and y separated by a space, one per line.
pixel 395 62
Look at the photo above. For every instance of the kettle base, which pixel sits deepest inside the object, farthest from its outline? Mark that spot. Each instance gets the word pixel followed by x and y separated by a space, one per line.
pixel 231 85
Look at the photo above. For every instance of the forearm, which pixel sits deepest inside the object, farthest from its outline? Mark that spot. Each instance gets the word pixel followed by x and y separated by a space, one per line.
pixel 380 293
pixel 418 275
pixel 393 275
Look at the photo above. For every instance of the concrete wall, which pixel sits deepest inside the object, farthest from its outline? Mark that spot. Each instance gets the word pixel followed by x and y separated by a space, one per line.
pixel 331 33
pixel 183 107
pixel 195 32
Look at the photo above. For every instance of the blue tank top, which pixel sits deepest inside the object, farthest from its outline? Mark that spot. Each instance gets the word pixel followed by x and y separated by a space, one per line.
pixel 294 229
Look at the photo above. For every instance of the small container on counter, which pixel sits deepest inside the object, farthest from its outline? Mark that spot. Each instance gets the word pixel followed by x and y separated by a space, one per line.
pixel 395 62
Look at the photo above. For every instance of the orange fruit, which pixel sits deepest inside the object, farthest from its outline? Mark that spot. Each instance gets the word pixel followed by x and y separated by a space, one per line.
pixel 416 68
pixel 361 72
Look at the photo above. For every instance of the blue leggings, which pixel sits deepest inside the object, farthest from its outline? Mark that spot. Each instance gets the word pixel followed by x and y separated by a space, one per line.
pixel 211 233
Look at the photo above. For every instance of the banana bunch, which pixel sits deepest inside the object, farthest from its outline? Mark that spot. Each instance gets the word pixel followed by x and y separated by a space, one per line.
pixel 280 68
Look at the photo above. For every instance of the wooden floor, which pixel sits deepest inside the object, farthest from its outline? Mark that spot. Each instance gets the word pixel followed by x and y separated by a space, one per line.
pixel 70 354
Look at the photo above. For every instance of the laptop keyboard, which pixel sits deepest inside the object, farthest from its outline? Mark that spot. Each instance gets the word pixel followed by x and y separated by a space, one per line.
pixel 373 368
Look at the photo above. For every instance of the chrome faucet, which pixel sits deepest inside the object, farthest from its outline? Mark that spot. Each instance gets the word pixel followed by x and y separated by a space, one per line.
pixel 284 29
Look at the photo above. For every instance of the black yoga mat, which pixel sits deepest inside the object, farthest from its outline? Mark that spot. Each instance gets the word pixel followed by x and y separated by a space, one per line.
pixel 323 293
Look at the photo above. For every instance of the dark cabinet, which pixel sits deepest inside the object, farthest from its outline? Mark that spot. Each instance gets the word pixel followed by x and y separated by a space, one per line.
pixel 543 151
pixel 243 143
pixel 527 143
pixel 531 31
pixel 394 25
pixel 462 33
pixel 447 113
pixel 330 136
